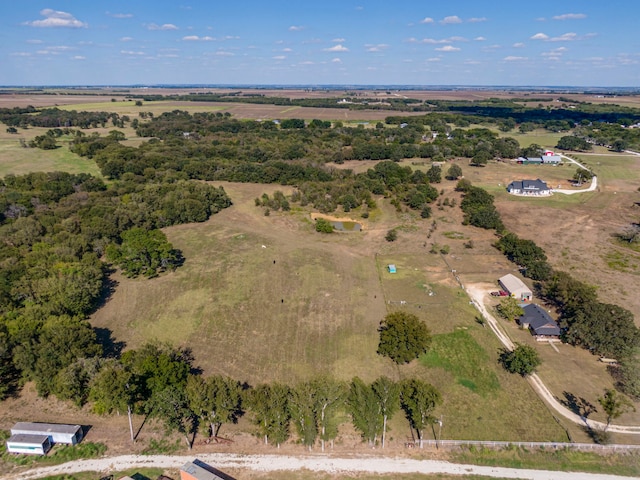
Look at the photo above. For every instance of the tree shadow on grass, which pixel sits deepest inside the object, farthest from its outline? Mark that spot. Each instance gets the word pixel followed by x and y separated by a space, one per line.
pixel 111 347
pixel 578 405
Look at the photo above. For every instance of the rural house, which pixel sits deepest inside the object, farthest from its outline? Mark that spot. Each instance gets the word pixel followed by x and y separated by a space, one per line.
pixel 542 326
pixel 529 188
pixel 515 287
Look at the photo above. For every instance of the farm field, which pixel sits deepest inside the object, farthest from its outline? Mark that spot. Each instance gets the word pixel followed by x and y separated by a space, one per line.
pixel 266 298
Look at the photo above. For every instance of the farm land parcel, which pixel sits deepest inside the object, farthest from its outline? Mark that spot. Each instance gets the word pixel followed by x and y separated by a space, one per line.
pixel 309 304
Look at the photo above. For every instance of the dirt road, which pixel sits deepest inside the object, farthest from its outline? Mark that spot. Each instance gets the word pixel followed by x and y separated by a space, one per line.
pixel 315 463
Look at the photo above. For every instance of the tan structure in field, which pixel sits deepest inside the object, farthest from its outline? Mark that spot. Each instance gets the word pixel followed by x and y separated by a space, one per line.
pixel 515 287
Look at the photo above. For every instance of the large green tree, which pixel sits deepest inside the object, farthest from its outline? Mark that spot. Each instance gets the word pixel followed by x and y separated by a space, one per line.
pixel 216 400
pixel 270 406
pixel 419 399
pixel 143 252
pixel 365 411
pixel 387 393
pixel 522 360
pixel 403 337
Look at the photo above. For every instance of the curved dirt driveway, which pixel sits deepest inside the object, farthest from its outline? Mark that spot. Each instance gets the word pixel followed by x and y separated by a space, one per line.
pixel 477 295
pixel 315 463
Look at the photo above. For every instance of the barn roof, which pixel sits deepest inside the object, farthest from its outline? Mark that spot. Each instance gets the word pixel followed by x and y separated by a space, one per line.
pixel 513 284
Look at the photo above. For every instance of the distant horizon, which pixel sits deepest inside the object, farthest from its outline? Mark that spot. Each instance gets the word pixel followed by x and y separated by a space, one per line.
pixel 333 42
pixel 405 87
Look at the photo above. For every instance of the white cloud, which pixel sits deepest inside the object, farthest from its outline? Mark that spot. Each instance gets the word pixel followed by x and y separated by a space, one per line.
pixel 120 15
pixel 570 16
pixel 434 59
pixel 479 39
pixel 78 57
pixel 376 48
pixel 540 36
pixel 131 52
pixel 427 20
pixel 307 62
pixel 512 58
pixel 339 40
pixel 55 18
pixel 448 48
pixel 565 37
pixel 126 39
pixel 450 20
pixel 477 20
pixel 224 53
pixel 20 54
pixel 554 54
pixel 518 45
pixel 165 26
pixel 336 60
pixel 196 38
pixel 34 41
pixel 279 57
pixel 287 50
pixel 457 39
pixel 295 28
pixel 337 48
pixel 433 41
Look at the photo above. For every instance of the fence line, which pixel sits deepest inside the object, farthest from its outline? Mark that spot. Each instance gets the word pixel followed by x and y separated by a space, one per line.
pixel 498 444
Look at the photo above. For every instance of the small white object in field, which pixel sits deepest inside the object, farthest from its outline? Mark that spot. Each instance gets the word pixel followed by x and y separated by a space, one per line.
pixel 264 246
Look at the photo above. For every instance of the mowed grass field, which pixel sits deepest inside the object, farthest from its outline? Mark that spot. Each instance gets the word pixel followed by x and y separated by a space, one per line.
pixel 311 303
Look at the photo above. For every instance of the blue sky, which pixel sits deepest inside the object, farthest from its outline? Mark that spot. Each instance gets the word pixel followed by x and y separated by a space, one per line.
pixel 411 42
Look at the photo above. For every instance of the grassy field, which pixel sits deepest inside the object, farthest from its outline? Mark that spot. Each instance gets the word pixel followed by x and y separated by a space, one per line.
pixel 18 160
pixel 309 303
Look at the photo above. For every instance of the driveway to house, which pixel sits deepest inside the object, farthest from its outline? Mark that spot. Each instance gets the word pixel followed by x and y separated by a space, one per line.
pixel 315 463
pixel 477 295
pixel 592 187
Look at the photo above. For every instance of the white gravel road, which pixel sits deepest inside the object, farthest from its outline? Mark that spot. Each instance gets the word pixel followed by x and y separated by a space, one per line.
pixel 316 463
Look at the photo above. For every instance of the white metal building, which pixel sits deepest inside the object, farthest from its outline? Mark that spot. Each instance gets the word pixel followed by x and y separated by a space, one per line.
pixel 57 433
pixel 515 287
pixel 29 444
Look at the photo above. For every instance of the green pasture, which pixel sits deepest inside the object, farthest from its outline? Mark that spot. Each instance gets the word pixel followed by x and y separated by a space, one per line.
pixel 19 160
pixel 462 361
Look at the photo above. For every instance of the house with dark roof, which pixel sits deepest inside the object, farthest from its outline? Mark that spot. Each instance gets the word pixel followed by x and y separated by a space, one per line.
pixel 538 321
pixel 529 188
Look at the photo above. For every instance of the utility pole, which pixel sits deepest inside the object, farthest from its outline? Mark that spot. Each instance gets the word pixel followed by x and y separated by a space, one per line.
pixel 439 431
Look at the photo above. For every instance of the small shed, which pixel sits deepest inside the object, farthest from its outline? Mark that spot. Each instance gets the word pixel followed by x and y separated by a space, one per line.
pixel 542 326
pixel 392 268
pixel 57 433
pixel 29 444
pixel 515 287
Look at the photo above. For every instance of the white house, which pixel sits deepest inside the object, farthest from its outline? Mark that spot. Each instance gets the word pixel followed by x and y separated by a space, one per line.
pixel 533 188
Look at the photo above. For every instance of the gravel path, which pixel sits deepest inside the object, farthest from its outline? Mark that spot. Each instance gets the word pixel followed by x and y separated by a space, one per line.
pixel 318 463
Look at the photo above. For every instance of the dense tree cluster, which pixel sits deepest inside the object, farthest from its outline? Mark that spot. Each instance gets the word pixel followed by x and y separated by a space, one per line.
pixel 479 209
pixel 57 118
pixel 54 229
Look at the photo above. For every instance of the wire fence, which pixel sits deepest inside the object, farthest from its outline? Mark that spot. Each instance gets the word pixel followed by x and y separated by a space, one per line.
pixel 540 445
